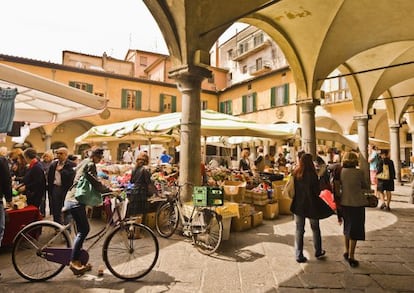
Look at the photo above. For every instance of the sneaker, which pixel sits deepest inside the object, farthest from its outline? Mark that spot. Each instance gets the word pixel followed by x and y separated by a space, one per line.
pixel 388 209
pixel 383 206
pixel 353 262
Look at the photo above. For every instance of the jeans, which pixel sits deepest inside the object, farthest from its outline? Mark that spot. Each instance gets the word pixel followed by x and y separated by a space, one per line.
pixel 78 212
pixel 58 198
pixel 2 220
pixel 300 231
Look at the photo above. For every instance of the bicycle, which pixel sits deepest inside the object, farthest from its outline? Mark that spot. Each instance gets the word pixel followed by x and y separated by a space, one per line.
pixel 130 250
pixel 204 225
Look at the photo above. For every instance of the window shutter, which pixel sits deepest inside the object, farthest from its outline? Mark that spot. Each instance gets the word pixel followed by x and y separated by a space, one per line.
pixel 244 104
pixel 222 107
pixel 124 101
pixel 173 104
pixel 286 94
pixel 138 95
pixel 72 83
pixel 230 108
pixel 273 97
pixel 161 103
pixel 89 88
pixel 254 102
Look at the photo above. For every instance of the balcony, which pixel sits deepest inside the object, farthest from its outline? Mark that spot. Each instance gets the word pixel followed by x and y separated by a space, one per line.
pixel 341 95
pixel 266 66
pixel 238 56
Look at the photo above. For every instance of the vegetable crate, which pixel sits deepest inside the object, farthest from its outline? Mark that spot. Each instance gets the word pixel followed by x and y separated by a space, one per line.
pixel 208 196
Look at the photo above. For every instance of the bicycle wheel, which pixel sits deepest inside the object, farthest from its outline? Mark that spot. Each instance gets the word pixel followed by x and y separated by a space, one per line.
pixel 130 251
pixel 207 230
pixel 29 260
pixel 166 219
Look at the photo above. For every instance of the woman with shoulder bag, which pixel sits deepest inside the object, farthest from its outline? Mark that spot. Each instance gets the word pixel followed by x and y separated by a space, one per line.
pixel 353 202
pixel 306 203
pixel 76 201
pixel 385 185
pixel 143 187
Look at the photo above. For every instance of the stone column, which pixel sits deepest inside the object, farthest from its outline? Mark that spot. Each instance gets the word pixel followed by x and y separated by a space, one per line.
pixel 188 79
pixel 362 124
pixel 308 132
pixel 395 149
pixel 48 141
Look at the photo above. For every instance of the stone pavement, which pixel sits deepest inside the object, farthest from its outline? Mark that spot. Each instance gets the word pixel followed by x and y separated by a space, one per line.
pixel 262 260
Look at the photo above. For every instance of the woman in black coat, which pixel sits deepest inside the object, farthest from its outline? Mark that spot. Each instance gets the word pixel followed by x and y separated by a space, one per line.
pixel 306 203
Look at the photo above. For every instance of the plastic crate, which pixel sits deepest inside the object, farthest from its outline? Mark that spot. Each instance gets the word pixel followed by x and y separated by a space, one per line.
pixel 208 196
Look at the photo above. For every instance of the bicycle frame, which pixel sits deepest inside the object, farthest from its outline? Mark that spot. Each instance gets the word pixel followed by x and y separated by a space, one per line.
pixel 63 255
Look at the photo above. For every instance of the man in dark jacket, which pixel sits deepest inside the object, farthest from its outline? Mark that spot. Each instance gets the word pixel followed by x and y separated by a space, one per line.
pixel 60 179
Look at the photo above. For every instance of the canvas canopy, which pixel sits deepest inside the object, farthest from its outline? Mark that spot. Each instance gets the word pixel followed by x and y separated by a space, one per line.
pixel 41 101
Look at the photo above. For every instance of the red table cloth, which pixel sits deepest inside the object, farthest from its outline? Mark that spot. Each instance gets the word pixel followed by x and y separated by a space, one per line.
pixel 16 220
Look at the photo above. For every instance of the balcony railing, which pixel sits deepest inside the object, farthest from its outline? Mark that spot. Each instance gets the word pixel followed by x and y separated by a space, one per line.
pixel 337 96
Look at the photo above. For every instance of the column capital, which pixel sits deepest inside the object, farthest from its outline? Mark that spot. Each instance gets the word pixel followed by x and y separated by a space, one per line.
pixel 308 102
pixel 188 70
pixel 395 125
pixel 363 117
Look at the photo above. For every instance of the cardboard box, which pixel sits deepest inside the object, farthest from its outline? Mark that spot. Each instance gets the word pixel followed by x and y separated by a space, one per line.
pixel 284 206
pixel 234 190
pixel 244 210
pixel 241 224
pixel 277 187
pixel 150 220
pixel 270 211
pixel 257 219
pixel 260 198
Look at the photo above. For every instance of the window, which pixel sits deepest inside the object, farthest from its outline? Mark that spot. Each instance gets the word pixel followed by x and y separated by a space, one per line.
pixel 258 39
pixel 230 54
pixel 249 103
pixel 279 96
pixel 131 99
pixel 259 63
pixel 204 105
pixel 244 70
pixel 87 87
pixel 143 60
pixel 168 103
pixel 225 107
pixel 243 47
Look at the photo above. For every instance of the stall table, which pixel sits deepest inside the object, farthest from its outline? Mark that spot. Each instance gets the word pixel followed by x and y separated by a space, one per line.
pixel 16 220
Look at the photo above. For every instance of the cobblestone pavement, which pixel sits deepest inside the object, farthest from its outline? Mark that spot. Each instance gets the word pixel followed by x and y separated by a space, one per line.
pixel 262 260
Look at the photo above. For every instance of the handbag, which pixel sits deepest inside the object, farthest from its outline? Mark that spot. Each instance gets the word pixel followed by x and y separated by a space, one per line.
pixel 86 194
pixel 385 174
pixel 372 200
pixel 289 189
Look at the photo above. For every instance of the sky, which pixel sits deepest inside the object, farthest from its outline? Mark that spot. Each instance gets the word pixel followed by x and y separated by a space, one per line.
pixel 42 29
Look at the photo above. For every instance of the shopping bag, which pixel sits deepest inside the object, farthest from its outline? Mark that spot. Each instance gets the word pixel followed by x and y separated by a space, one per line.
pixel 327 196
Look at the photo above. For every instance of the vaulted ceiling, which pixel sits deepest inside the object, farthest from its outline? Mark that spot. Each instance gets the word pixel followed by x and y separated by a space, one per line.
pixel 372 41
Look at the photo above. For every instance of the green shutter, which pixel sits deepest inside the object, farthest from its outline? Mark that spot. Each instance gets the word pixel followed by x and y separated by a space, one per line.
pixel 138 95
pixel 273 97
pixel 229 107
pixel 173 104
pixel 124 102
pixel 286 94
pixel 72 83
pixel 254 102
pixel 161 103
pixel 244 104
pixel 222 107
pixel 89 88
